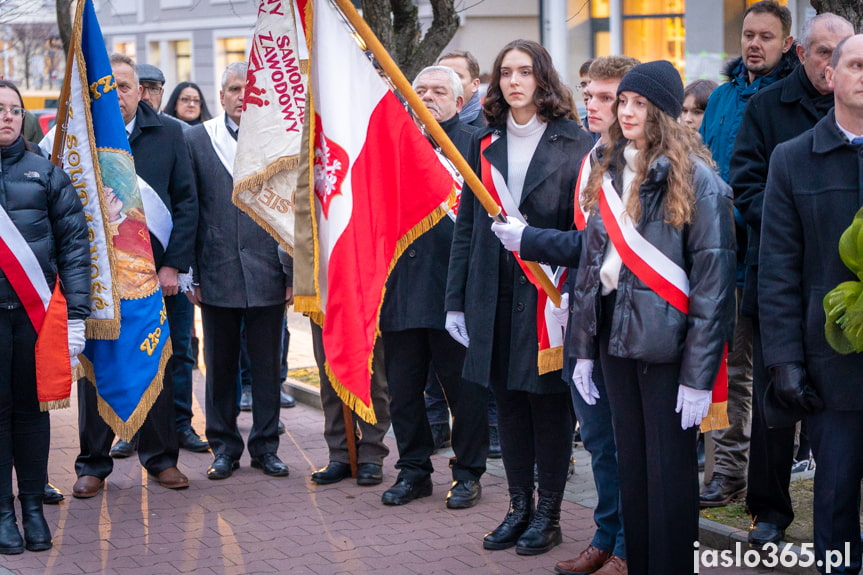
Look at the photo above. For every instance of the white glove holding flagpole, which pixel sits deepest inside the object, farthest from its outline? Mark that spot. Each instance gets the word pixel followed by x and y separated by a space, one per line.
pixel 509 233
pixel 582 378
pixel 692 405
pixel 77 340
pixel 457 327
pixel 561 313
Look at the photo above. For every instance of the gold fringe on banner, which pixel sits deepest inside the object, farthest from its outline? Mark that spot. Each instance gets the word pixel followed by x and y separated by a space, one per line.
pixel 304 67
pixel 717 417
pixel 126 430
pixel 549 360
pixel 258 179
pixel 56 404
pixel 363 411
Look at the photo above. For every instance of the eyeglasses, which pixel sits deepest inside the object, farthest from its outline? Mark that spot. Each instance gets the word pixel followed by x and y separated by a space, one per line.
pixel 16 112
pixel 190 101
pixel 154 90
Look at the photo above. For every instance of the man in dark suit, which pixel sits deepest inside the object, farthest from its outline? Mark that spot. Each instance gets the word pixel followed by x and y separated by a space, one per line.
pixel 412 323
pixel 162 161
pixel 774 115
pixel 813 191
pixel 238 281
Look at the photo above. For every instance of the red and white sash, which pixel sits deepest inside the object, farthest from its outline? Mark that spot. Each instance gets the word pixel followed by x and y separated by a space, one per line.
pixel 663 276
pixel 548 331
pixel 47 313
pixel 580 215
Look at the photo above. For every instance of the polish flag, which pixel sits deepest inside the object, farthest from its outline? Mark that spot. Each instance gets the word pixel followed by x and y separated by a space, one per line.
pixel 377 186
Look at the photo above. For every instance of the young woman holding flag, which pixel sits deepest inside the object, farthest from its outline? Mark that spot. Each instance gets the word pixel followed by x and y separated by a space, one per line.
pixel 654 303
pixel 528 160
pixel 43 241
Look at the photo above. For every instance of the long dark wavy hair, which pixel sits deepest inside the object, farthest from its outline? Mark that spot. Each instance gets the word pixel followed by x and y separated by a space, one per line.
pixel 171 106
pixel 552 98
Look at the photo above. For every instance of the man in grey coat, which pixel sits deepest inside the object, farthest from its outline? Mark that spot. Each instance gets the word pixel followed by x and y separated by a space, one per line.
pixel 238 281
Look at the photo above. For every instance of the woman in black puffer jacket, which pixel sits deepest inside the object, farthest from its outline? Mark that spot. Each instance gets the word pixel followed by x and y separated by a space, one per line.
pixel 659 217
pixel 40 202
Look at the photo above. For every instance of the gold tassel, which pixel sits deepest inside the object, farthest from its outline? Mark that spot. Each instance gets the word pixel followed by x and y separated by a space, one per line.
pixel 363 411
pixel 127 429
pixel 56 404
pixel 549 360
pixel 717 417
pixel 304 67
pixel 102 328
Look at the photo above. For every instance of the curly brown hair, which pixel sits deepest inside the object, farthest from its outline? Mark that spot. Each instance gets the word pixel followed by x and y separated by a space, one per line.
pixel 664 137
pixel 552 98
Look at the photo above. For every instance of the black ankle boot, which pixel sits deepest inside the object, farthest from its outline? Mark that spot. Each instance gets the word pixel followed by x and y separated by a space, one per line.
pixel 516 521
pixel 37 535
pixel 543 533
pixel 10 538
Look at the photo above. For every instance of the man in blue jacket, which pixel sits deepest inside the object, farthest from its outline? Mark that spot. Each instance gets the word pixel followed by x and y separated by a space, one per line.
pixel 766 56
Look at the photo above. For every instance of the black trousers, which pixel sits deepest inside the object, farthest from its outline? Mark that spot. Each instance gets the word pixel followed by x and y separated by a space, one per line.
pixel 157 440
pixel 222 352
pixel 657 463
pixel 771 452
pixel 837 444
pixel 534 428
pixel 407 355
pixel 25 432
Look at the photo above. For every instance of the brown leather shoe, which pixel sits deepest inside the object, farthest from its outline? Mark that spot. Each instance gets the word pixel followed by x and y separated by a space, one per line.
pixel 87 486
pixel 172 478
pixel 587 562
pixel 614 566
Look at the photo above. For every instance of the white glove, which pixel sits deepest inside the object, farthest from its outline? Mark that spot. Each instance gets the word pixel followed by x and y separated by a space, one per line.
pixel 692 405
pixel 582 378
pixel 456 327
pixel 509 233
pixel 561 314
pixel 76 337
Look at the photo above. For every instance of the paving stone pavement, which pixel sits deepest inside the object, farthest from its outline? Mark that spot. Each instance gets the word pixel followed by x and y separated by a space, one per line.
pixel 251 523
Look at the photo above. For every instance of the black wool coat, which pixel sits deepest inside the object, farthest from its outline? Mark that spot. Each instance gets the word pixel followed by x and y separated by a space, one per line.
pixel 417 285
pixel 236 261
pixel 776 114
pixel 475 261
pixel 162 160
pixel 813 191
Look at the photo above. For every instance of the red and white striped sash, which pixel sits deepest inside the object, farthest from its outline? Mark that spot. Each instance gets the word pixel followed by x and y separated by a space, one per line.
pixel 548 331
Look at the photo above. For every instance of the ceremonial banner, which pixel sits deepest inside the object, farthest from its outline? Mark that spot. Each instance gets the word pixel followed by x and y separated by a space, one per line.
pixel 377 186
pixel 268 150
pixel 128 338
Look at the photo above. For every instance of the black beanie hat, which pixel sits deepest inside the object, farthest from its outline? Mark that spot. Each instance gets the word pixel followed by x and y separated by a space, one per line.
pixel 657 81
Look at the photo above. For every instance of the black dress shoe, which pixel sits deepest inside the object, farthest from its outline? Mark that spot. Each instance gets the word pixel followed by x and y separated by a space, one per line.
pixel 271 465
pixel 281 428
pixel 721 491
pixel 406 490
pixel 369 474
pixel 189 439
pixel 334 472
pixel 52 495
pixel 222 468
pixel 463 494
pixel 285 398
pixel 123 449
pixel 762 533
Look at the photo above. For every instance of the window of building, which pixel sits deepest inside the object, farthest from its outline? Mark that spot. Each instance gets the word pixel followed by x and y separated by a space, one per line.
pixel 182 52
pixel 230 50
pixel 654 30
pixel 127 48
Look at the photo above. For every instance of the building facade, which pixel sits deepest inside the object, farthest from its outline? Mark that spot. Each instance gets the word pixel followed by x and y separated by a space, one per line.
pixel 195 39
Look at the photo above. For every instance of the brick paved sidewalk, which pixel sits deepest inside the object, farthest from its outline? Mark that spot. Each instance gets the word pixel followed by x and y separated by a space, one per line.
pixel 251 523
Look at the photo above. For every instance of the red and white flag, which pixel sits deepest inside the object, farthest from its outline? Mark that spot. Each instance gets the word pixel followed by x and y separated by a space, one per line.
pixel 47 312
pixel 377 186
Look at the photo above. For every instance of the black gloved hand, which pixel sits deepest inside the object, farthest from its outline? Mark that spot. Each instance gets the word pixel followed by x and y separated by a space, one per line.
pixel 791 390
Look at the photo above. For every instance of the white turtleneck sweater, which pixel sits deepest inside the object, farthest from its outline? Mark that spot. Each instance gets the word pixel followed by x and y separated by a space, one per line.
pixel 609 273
pixel 521 143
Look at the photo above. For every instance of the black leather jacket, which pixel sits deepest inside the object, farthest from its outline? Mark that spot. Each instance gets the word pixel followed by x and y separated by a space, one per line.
pixel 43 205
pixel 644 326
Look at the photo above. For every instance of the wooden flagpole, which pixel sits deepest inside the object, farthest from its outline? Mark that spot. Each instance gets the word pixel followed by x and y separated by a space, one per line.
pixel 65 96
pixel 447 147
